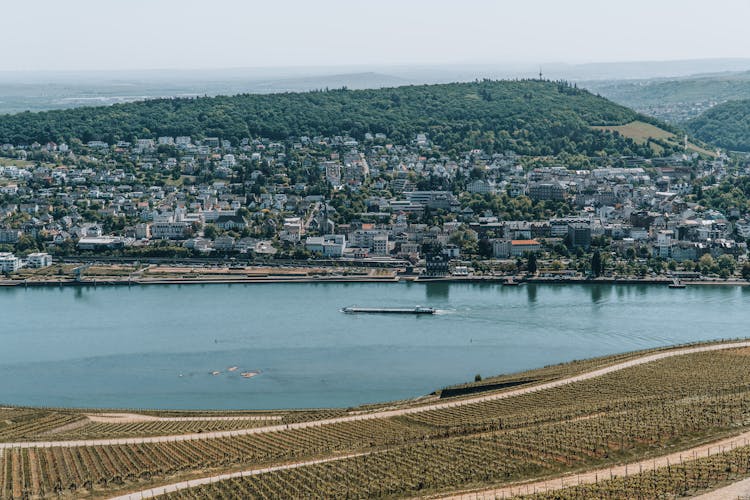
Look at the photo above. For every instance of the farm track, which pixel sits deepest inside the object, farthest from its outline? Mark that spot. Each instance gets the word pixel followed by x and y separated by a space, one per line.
pixel 381 414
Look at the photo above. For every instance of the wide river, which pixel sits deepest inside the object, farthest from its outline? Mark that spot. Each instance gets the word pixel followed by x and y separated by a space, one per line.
pixel 157 346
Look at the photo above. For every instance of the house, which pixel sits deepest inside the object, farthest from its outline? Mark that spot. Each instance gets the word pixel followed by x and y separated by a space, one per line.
pixel 224 244
pixel 452 251
pixel 9 235
pixel 292 230
pixel 231 222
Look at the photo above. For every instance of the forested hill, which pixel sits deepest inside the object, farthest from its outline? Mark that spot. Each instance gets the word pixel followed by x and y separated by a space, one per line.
pixel 528 117
pixel 726 125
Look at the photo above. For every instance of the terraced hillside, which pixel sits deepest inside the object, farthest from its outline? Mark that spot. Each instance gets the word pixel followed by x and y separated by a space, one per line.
pixel 572 418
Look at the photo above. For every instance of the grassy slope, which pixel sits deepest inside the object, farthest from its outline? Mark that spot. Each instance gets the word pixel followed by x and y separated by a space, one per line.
pixel 644 133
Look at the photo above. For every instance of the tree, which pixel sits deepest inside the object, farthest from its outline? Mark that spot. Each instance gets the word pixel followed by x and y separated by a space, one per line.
pixel 531 264
pixel 210 231
pixel 726 262
pixel 746 271
pixel 706 263
pixel 596 264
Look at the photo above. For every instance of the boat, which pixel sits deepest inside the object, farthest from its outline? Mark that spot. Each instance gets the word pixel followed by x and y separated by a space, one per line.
pixel 389 310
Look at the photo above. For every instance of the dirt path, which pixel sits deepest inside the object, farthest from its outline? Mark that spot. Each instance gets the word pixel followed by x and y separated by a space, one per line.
pixel 740 489
pixel 129 418
pixel 171 488
pixel 387 413
pixel 593 476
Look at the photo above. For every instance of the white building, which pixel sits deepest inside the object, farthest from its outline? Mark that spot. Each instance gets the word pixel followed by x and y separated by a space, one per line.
pixel 39 260
pixel 293 229
pixel 8 262
pixel 519 248
pixel 329 245
pixel 380 245
pixel 501 249
pixel 170 230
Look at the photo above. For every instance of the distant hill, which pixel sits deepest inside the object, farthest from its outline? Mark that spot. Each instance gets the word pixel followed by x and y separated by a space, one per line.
pixel 726 125
pixel 366 80
pixel 112 88
pixel 675 100
pixel 529 117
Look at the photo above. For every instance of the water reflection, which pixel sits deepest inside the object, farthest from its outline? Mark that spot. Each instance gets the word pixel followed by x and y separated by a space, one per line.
pixel 531 291
pixel 437 290
pixel 600 293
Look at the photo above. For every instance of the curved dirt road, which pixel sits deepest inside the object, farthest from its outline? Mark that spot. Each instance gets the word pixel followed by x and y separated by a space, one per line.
pixel 386 413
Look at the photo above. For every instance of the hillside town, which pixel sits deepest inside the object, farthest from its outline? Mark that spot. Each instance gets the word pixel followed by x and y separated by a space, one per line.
pixel 339 199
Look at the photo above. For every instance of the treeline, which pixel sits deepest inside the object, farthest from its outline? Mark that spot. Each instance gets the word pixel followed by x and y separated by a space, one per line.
pixel 726 125
pixel 529 117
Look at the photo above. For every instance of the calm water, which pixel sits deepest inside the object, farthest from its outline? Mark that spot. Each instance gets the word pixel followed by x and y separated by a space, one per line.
pixel 155 346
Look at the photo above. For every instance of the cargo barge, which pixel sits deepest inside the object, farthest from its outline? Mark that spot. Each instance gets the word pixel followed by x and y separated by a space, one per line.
pixel 389 310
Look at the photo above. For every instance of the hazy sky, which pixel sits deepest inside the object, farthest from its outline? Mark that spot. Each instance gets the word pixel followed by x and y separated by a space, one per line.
pixel 146 34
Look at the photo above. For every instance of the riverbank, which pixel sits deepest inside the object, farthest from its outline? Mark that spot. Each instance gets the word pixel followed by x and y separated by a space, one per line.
pixel 393 278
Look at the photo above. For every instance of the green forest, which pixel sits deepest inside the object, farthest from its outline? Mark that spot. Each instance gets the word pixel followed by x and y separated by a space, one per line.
pixel 528 116
pixel 726 125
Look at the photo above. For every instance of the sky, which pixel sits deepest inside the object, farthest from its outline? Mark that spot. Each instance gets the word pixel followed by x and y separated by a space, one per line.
pixel 191 34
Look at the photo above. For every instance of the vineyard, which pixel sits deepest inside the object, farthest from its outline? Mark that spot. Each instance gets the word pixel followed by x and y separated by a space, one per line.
pixel 642 411
pixel 674 481
pixel 490 458
pixel 24 424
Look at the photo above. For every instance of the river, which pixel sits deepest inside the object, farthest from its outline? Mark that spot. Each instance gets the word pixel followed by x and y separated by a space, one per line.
pixel 157 346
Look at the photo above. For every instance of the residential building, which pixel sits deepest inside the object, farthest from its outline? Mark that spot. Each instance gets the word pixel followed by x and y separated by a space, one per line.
pixel 520 247
pixel 9 263
pixel 329 245
pixel 546 191
pixel 579 235
pixel 38 260
pixel 170 230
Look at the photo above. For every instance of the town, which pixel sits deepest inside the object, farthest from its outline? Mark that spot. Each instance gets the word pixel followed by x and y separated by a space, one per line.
pixel 338 200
